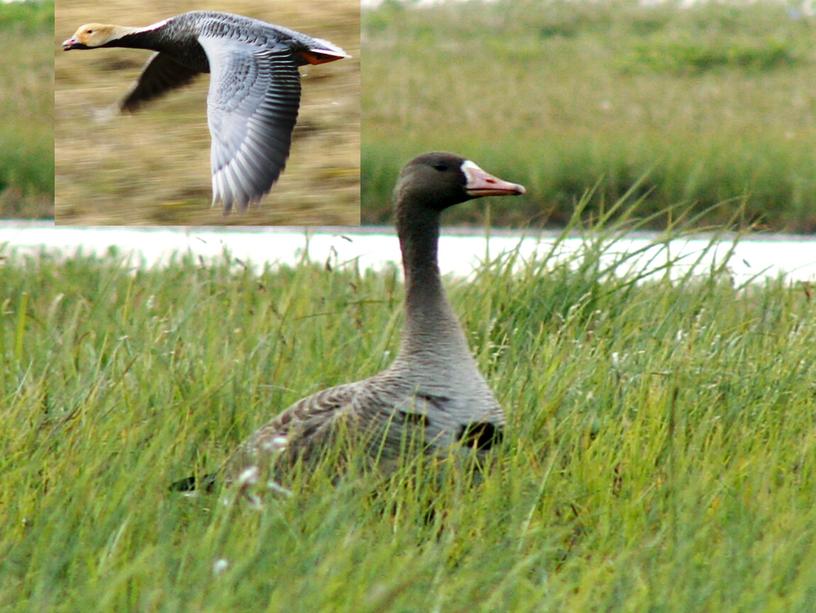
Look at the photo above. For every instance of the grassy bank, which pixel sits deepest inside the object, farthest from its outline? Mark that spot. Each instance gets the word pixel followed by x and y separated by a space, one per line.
pixel 711 103
pixel 26 110
pixel 660 452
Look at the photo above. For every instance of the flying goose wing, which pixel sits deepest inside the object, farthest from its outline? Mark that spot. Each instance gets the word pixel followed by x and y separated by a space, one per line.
pixel 161 74
pixel 252 107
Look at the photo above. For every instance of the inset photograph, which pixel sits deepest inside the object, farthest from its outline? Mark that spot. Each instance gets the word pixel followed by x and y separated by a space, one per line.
pixel 170 115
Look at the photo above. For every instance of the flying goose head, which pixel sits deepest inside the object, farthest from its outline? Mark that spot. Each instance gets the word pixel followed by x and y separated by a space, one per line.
pixel 93 35
pixel 439 180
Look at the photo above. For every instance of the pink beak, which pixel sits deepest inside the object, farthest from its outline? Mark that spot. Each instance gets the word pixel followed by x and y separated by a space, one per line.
pixel 481 183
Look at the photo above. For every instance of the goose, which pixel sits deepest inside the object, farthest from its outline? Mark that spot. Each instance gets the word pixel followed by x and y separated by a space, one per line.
pixel 254 94
pixel 432 389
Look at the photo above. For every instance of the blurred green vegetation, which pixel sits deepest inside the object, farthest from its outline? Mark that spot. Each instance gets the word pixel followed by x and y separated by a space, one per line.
pixel 660 451
pixel 34 16
pixel 711 103
pixel 26 110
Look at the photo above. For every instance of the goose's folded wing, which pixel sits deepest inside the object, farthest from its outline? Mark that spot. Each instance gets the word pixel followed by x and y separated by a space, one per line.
pixel 252 108
pixel 161 74
pixel 309 416
pixel 301 431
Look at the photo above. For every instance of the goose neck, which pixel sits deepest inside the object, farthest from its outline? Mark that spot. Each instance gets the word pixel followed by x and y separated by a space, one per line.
pixel 137 38
pixel 418 232
pixel 431 325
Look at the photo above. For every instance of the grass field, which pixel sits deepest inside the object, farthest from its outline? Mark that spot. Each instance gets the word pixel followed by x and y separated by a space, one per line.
pixel 660 453
pixel 153 167
pixel 711 103
pixel 26 110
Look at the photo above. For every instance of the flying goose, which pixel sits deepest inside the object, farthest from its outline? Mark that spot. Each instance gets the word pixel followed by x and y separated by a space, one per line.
pixel 254 93
pixel 433 388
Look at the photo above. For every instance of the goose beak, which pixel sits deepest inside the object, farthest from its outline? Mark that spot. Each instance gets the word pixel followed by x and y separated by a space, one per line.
pixel 481 183
pixel 69 44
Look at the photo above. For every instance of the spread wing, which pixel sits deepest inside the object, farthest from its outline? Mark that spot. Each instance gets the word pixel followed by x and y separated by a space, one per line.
pixel 161 74
pixel 252 108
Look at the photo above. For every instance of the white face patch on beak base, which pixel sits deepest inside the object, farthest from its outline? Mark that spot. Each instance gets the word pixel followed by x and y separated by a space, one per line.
pixel 481 183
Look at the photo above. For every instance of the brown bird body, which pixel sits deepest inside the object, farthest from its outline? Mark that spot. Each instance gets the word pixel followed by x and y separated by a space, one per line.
pixel 433 391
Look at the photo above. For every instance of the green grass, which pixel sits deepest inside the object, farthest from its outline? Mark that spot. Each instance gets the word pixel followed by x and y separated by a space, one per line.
pixel 713 102
pixel 27 110
pixel 660 453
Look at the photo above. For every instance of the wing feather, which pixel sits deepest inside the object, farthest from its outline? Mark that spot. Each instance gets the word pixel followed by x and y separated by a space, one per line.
pixel 252 109
pixel 300 431
pixel 160 75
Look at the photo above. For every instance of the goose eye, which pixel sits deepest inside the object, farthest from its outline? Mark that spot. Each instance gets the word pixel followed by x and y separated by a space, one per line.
pixel 441 167
pixel 88 31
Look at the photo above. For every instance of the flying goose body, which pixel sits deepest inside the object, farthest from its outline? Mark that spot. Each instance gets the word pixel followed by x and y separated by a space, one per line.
pixel 254 94
pixel 433 388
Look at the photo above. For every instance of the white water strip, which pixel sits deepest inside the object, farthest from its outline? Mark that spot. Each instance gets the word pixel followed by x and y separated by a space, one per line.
pixel 460 251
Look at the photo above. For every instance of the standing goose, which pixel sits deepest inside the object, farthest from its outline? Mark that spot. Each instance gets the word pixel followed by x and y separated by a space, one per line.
pixel 254 93
pixel 433 388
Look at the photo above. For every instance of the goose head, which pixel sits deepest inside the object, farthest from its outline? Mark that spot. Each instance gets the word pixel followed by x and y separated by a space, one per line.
pixel 439 180
pixel 92 35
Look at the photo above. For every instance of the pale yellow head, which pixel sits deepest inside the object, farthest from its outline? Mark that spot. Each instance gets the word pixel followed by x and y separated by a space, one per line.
pixel 94 35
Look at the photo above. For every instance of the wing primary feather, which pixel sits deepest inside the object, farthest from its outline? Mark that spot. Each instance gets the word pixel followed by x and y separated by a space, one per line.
pixel 253 106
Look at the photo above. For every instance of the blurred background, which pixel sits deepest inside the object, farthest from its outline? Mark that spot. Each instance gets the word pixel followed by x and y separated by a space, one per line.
pixel 694 103
pixel 153 167
pixel 710 102
pixel 26 110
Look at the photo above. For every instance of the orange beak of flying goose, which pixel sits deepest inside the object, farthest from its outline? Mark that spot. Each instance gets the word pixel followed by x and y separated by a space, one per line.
pixel 481 183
